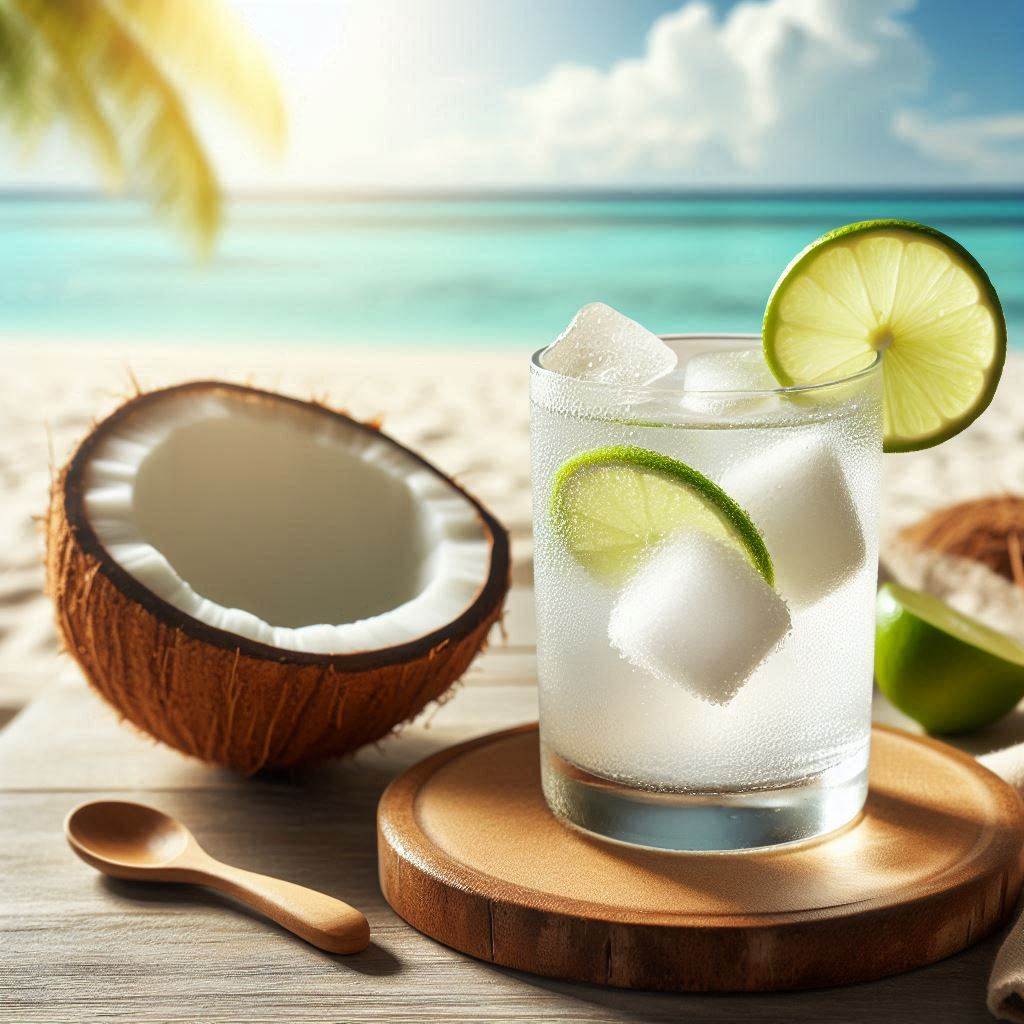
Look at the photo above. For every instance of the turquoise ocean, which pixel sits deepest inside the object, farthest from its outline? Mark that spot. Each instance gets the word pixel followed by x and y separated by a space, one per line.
pixel 485 272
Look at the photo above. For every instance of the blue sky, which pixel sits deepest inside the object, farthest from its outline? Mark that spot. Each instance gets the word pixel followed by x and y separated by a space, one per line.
pixel 610 93
pixel 978 45
pixel 978 49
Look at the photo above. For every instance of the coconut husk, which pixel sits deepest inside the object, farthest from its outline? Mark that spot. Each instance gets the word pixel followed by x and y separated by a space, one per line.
pixel 986 530
pixel 223 698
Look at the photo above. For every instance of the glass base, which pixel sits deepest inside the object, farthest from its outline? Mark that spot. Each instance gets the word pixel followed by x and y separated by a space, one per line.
pixel 705 821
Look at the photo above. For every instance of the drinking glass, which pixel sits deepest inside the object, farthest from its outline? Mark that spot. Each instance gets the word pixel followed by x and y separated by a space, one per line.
pixel 641 756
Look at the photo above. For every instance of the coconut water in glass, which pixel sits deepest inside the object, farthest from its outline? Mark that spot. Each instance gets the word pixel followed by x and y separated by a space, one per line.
pixel 684 704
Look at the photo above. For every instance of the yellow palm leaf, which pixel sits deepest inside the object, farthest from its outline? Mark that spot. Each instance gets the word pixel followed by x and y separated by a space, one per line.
pixel 203 43
pixel 27 87
pixel 68 81
pixel 161 147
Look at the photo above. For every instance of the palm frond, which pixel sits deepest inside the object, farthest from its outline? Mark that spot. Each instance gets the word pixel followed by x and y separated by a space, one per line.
pixel 203 43
pixel 78 97
pixel 162 148
pixel 27 89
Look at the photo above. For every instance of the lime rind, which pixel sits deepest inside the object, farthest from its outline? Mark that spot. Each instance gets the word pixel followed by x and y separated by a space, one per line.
pixel 909 370
pixel 592 523
pixel 954 623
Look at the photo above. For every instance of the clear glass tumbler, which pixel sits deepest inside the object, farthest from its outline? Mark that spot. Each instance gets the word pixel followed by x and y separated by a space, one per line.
pixel 646 755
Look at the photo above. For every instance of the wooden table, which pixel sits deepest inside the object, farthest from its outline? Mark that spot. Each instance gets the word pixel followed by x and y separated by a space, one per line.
pixel 75 946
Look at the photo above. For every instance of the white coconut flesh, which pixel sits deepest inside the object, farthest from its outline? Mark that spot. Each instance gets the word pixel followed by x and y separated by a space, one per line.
pixel 273 521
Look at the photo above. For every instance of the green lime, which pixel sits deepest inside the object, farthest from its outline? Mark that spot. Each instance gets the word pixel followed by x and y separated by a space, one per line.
pixel 611 505
pixel 905 289
pixel 942 668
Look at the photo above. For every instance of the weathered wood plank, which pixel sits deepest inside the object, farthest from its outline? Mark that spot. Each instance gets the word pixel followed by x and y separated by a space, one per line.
pixel 519 624
pixel 503 666
pixel 76 947
pixel 69 740
pixel 16 690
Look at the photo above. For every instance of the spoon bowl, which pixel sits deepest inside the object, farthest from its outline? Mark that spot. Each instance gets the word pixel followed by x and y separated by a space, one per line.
pixel 126 834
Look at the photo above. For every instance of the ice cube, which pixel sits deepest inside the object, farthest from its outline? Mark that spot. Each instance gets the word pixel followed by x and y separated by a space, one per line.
pixel 698 614
pixel 796 492
pixel 733 370
pixel 732 373
pixel 600 344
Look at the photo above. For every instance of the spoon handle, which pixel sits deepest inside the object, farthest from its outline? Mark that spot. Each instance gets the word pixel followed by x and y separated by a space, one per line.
pixel 321 920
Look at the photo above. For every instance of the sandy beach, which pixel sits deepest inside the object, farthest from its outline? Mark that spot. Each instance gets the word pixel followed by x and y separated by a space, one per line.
pixel 466 410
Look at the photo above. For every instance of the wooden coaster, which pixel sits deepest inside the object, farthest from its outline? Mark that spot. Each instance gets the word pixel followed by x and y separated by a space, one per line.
pixel 470 855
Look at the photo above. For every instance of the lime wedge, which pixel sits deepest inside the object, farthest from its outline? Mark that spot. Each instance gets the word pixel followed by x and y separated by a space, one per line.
pixel 905 289
pixel 612 505
pixel 944 669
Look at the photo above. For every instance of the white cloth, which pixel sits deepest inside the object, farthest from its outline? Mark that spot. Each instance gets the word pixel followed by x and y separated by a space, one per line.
pixel 1006 982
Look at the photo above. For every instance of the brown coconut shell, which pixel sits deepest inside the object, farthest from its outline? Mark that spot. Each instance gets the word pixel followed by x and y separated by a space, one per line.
pixel 987 530
pixel 225 698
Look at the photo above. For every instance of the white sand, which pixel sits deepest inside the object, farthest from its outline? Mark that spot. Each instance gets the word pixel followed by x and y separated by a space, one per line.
pixel 467 411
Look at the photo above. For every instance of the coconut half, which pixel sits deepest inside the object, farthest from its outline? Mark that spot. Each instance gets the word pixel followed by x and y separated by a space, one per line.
pixel 262 581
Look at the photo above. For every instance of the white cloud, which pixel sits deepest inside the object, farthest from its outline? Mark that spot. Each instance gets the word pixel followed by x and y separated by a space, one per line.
pixel 814 92
pixel 779 91
pixel 986 147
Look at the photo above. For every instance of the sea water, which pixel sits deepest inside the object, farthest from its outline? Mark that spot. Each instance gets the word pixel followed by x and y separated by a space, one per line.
pixel 489 272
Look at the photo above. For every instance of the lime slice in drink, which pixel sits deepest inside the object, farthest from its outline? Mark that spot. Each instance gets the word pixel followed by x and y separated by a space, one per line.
pixel 903 288
pixel 944 669
pixel 612 505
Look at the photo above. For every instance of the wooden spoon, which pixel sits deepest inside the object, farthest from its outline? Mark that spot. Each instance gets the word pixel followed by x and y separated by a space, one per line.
pixel 129 840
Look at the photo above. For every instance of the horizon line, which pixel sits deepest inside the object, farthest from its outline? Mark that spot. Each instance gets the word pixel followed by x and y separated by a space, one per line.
pixel 551 193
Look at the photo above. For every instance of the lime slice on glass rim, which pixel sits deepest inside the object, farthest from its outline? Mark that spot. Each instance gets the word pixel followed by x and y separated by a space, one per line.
pixel 611 505
pixel 944 669
pixel 905 289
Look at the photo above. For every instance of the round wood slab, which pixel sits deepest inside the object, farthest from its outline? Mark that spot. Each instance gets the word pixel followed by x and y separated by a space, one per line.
pixel 470 855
